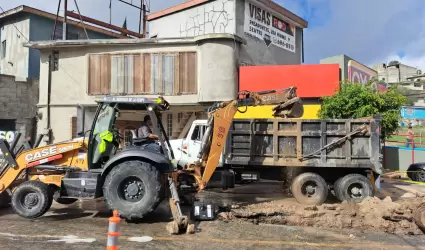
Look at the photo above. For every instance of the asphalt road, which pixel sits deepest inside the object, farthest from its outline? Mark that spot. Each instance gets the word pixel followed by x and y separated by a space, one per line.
pixel 83 225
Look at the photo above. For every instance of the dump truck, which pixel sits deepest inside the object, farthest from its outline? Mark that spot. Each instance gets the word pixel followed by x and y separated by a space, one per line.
pixel 131 180
pixel 315 156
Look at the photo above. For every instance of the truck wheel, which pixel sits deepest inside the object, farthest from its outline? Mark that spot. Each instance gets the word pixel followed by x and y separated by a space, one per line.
pixel 134 188
pixel 4 199
pixel 310 189
pixel 419 176
pixel 32 199
pixel 336 187
pixel 353 188
pixel 63 201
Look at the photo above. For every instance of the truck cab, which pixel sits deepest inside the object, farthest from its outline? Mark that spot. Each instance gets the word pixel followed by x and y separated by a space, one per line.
pixel 186 150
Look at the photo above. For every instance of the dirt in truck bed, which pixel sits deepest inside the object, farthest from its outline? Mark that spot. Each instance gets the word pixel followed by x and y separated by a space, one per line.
pixel 371 215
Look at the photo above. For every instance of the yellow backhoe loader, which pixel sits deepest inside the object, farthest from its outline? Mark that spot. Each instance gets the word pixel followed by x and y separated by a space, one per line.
pixel 131 180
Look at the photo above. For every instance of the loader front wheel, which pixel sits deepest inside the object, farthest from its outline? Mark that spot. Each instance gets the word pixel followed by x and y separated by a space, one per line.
pixel 134 188
pixel 32 199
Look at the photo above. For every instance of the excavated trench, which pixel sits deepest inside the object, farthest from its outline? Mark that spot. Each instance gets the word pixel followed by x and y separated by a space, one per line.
pixel 373 214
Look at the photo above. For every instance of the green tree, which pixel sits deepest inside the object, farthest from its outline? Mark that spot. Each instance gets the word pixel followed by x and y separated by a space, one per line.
pixel 355 100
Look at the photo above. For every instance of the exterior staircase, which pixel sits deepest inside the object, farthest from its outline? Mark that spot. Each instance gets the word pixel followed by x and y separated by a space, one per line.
pixel 184 122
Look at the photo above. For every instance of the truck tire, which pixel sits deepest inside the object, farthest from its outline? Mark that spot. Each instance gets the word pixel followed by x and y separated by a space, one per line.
pixel 32 199
pixel 309 189
pixel 4 199
pixel 336 186
pixel 134 188
pixel 419 176
pixel 353 188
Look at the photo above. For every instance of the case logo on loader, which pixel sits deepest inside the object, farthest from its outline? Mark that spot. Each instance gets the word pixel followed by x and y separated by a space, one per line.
pixel 33 156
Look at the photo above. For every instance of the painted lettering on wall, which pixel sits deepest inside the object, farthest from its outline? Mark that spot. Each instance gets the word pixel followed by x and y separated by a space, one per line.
pixel 358 73
pixel 262 24
pixel 9 136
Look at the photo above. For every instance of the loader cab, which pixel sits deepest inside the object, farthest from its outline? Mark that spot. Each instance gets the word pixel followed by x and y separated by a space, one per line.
pixel 104 138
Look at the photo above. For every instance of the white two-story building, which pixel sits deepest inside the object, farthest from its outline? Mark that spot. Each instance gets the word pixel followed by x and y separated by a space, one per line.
pixel 192 58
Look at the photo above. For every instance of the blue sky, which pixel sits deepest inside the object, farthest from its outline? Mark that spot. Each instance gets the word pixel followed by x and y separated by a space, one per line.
pixel 370 31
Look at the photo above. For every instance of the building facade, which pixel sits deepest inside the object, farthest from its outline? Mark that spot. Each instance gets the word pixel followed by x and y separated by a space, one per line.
pixel 18 109
pixel 355 71
pixel 395 73
pixel 23 24
pixel 274 35
pixel 191 70
pixel 191 73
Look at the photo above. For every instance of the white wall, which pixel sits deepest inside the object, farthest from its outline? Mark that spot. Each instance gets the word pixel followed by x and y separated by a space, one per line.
pixel 213 17
pixel 16 61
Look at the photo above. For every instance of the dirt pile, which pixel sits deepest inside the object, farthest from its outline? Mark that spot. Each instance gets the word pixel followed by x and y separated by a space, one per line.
pixel 372 214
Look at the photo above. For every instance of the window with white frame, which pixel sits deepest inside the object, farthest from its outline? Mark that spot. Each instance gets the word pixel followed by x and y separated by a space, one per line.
pixel 169 125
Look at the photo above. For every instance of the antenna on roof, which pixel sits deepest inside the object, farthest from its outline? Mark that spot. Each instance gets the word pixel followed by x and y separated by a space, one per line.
pixel 144 8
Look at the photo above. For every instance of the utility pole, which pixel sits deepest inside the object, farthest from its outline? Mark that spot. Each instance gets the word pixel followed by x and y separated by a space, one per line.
pixel 65 7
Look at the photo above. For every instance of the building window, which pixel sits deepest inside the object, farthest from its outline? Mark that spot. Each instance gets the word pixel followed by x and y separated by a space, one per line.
pixel 55 60
pixel 59 34
pixel 146 73
pixel 417 85
pixel 3 49
pixel 179 117
pixel 169 125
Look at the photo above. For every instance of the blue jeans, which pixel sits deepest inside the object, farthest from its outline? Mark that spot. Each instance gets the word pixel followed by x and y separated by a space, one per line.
pixel 408 142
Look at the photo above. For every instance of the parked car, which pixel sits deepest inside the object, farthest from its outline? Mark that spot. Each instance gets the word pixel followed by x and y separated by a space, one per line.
pixel 416 171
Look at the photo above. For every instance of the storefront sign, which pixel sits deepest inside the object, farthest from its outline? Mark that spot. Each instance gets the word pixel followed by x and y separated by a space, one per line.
pixel 264 25
pixel 358 73
pixel 9 136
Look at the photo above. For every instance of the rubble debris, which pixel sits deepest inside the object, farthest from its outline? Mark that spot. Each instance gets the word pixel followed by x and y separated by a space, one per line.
pixel 372 214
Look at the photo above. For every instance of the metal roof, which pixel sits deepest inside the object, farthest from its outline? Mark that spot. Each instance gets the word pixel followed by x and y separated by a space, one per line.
pixel 26 9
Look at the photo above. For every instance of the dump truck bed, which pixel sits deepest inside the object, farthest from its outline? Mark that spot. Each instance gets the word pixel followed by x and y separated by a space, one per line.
pixel 305 143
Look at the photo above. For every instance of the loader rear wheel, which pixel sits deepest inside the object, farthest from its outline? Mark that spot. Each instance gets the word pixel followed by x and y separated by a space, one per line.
pixel 32 199
pixel 134 188
pixel 309 189
pixel 4 199
pixel 353 188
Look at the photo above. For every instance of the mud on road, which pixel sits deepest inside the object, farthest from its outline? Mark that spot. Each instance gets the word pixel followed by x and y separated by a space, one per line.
pixel 371 215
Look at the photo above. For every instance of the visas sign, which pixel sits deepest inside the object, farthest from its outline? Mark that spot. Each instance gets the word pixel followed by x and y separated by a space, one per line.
pixel 262 24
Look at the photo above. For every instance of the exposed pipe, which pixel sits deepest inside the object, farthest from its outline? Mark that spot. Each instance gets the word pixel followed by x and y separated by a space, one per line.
pixel 49 90
pixel 103 24
pixel 302 45
pixel 145 19
pixel 65 31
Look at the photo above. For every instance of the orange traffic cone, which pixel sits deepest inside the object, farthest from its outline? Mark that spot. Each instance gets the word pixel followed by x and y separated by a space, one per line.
pixel 113 233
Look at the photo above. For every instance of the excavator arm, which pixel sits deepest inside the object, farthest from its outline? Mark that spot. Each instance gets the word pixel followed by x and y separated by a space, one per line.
pixel 220 117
